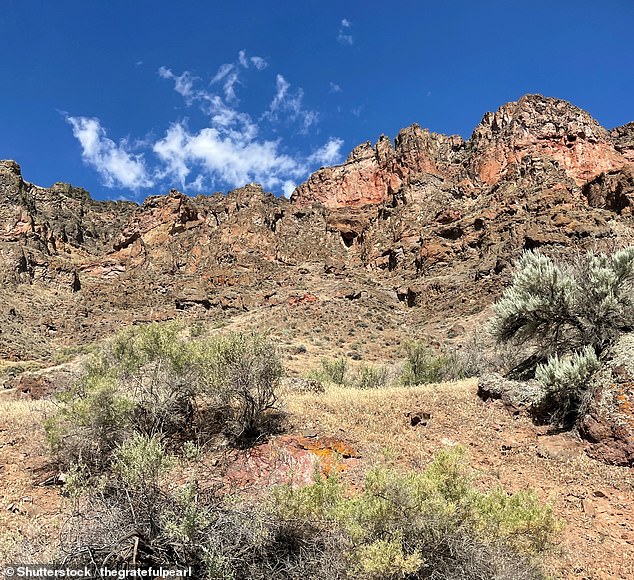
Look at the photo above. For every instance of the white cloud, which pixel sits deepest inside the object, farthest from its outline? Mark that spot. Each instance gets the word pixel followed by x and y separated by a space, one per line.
pixel 329 153
pixel 183 84
pixel 171 151
pixel 117 166
pixel 259 63
pixel 229 149
pixel 344 36
pixel 223 71
pixel 334 87
pixel 232 157
pixel 229 74
pixel 290 104
pixel 288 187
pixel 282 87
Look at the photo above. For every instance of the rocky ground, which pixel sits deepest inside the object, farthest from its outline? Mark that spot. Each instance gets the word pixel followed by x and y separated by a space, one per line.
pixel 595 501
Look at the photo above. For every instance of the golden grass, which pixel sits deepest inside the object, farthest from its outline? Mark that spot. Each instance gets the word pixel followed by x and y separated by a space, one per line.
pixel 23 416
pixel 378 420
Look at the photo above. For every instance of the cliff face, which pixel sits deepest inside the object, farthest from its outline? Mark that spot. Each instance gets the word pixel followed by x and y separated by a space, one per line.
pixel 534 126
pixel 429 225
pixel 374 174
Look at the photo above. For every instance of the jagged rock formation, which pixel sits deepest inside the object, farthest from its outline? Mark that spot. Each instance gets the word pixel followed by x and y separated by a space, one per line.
pixel 533 127
pixel 427 225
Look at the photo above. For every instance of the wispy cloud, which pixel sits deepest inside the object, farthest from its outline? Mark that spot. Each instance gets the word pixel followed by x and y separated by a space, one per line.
pixel 289 103
pixel 329 153
pixel 344 36
pixel 334 87
pixel 258 62
pixel 232 148
pixel 116 165
pixel 183 84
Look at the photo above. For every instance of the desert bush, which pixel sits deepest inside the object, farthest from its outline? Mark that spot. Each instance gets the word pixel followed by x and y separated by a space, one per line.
pixel 567 381
pixel 243 371
pixel 153 382
pixel 429 524
pixel 561 308
pixel 422 365
pixel 331 371
pixel 92 419
pixel 368 377
pixel 463 363
pixel 432 523
pixel 563 312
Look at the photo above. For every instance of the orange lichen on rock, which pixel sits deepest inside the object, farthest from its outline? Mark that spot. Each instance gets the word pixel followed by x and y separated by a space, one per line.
pixel 289 460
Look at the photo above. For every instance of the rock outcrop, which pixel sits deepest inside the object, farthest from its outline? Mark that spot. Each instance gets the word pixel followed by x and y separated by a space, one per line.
pixel 374 174
pixel 537 126
pixel 609 422
pixel 533 127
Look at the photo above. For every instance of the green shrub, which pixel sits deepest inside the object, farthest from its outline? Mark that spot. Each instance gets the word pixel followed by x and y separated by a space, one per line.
pixel 368 377
pixel 568 314
pixel 567 381
pixel 433 523
pixel 464 363
pixel 92 419
pixel 242 371
pixel 152 381
pixel 562 308
pixel 422 365
pixel 331 371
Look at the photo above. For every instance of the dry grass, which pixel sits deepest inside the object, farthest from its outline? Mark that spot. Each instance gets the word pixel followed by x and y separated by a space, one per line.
pixel 377 419
pixel 29 513
pixel 595 501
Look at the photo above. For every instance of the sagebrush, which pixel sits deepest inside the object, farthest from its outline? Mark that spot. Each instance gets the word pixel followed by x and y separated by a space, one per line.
pixel 155 381
pixel 433 523
pixel 568 315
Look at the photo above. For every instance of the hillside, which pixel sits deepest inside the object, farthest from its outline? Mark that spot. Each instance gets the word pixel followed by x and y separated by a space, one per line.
pixel 428 226
pixel 411 239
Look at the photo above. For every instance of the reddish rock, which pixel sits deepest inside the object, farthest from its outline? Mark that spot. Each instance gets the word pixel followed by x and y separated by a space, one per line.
pixel 609 422
pixel 158 218
pixel 305 298
pixel 372 175
pixel 537 126
pixel 534 127
pixel 289 460
pixel 410 219
pixel 363 179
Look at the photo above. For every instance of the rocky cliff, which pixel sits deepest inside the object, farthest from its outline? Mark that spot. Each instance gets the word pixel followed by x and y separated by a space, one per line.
pixel 534 127
pixel 420 231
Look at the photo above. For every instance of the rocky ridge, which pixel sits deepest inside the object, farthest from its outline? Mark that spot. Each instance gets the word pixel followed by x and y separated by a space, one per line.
pixel 533 127
pixel 428 224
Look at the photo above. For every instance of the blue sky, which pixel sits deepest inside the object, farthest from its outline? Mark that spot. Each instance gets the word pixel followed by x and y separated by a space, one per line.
pixel 130 98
